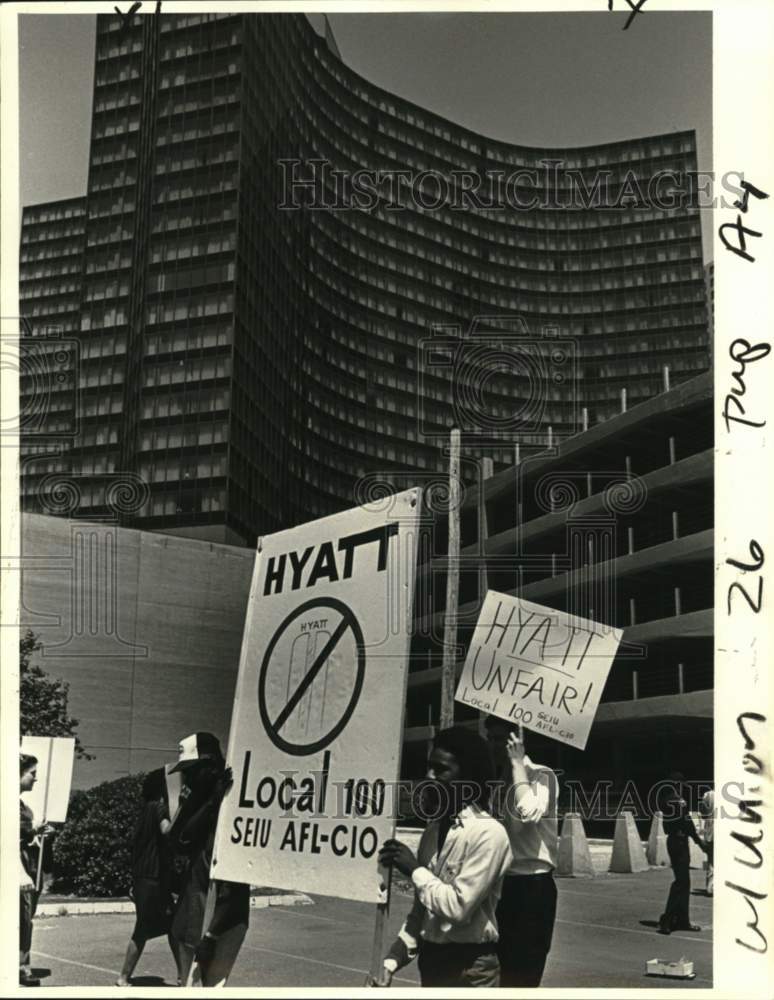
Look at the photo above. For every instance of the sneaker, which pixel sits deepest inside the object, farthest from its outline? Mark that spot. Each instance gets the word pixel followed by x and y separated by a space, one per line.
pixel 28 980
pixel 688 927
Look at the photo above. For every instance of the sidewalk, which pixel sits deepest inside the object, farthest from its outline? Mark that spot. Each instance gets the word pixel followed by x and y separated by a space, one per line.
pixel 606 931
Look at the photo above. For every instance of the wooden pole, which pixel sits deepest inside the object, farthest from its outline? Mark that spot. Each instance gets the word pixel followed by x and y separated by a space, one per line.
pixel 39 877
pixel 448 670
pixel 487 470
pixel 380 928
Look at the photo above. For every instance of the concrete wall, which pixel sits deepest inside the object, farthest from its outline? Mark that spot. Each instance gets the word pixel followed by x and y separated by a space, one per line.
pixel 145 627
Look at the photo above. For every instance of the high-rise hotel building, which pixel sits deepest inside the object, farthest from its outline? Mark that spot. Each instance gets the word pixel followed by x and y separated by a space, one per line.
pixel 253 339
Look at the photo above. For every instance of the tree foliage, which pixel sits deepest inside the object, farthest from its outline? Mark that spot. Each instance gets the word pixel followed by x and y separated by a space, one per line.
pixel 93 853
pixel 43 699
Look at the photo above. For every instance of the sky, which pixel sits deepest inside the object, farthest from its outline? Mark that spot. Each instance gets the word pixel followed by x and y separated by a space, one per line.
pixel 533 79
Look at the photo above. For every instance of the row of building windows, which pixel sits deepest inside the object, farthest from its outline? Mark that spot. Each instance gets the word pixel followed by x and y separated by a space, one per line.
pixel 116 259
pixel 180 217
pixel 192 246
pixel 468 257
pixel 42 289
pixel 169 470
pixel 203 187
pixel 528 251
pixel 113 151
pixel 190 277
pixel 184 403
pixel 190 307
pixel 101 375
pixel 61 267
pixel 168 505
pixel 191 370
pixel 184 436
pixel 120 126
pixel 187 339
pixel 210 42
pixel 496 297
pixel 36 234
pixel 194 158
pixel 50 213
pixel 108 234
pixel 448 271
pixel 52 251
pixel 99 318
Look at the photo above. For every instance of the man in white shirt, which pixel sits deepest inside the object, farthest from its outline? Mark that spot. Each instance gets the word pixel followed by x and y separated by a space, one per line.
pixel 527 809
pixel 462 857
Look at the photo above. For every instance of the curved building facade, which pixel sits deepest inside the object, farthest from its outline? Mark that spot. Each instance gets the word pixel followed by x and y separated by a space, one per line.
pixel 296 283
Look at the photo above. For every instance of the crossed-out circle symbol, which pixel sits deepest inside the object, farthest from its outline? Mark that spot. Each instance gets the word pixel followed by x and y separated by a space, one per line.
pixel 308 670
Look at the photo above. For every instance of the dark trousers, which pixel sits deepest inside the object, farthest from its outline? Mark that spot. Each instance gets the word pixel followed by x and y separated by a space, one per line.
pixel 677 914
pixel 458 965
pixel 525 920
pixel 28 901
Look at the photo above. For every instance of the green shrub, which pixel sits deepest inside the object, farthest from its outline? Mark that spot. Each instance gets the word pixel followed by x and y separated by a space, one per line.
pixel 92 854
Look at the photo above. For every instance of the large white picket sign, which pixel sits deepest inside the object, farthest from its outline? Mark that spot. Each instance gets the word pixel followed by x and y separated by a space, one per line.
pixel 537 666
pixel 50 795
pixel 318 714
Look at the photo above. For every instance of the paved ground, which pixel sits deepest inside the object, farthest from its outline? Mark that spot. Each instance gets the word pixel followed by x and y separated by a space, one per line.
pixel 599 940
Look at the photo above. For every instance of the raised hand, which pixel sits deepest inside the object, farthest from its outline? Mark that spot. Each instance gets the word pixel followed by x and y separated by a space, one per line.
pixel 515 748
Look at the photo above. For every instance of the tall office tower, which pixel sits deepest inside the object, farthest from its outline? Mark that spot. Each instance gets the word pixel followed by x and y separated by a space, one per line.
pixel 51 274
pixel 709 282
pixel 268 335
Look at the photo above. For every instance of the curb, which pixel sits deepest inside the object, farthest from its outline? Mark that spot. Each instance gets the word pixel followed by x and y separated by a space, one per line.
pixel 76 909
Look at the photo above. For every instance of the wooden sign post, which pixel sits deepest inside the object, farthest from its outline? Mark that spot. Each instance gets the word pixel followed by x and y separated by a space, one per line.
pixel 375 969
pixel 448 670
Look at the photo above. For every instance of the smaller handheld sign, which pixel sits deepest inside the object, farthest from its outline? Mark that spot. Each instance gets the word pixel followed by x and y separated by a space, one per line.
pixel 538 667
pixel 50 795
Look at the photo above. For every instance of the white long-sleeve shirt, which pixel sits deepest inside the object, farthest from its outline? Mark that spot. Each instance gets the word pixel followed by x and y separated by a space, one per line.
pixel 458 888
pixel 531 822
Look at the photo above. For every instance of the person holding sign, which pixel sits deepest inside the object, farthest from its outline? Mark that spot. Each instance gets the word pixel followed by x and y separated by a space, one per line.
pixel 28 893
pixel 527 808
pixel 462 858
pixel 213 947
pixel 150 874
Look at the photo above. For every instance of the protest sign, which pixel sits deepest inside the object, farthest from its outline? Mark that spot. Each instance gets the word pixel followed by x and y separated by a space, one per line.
pixel 538 667
pixel 50 796
pixel 318 714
